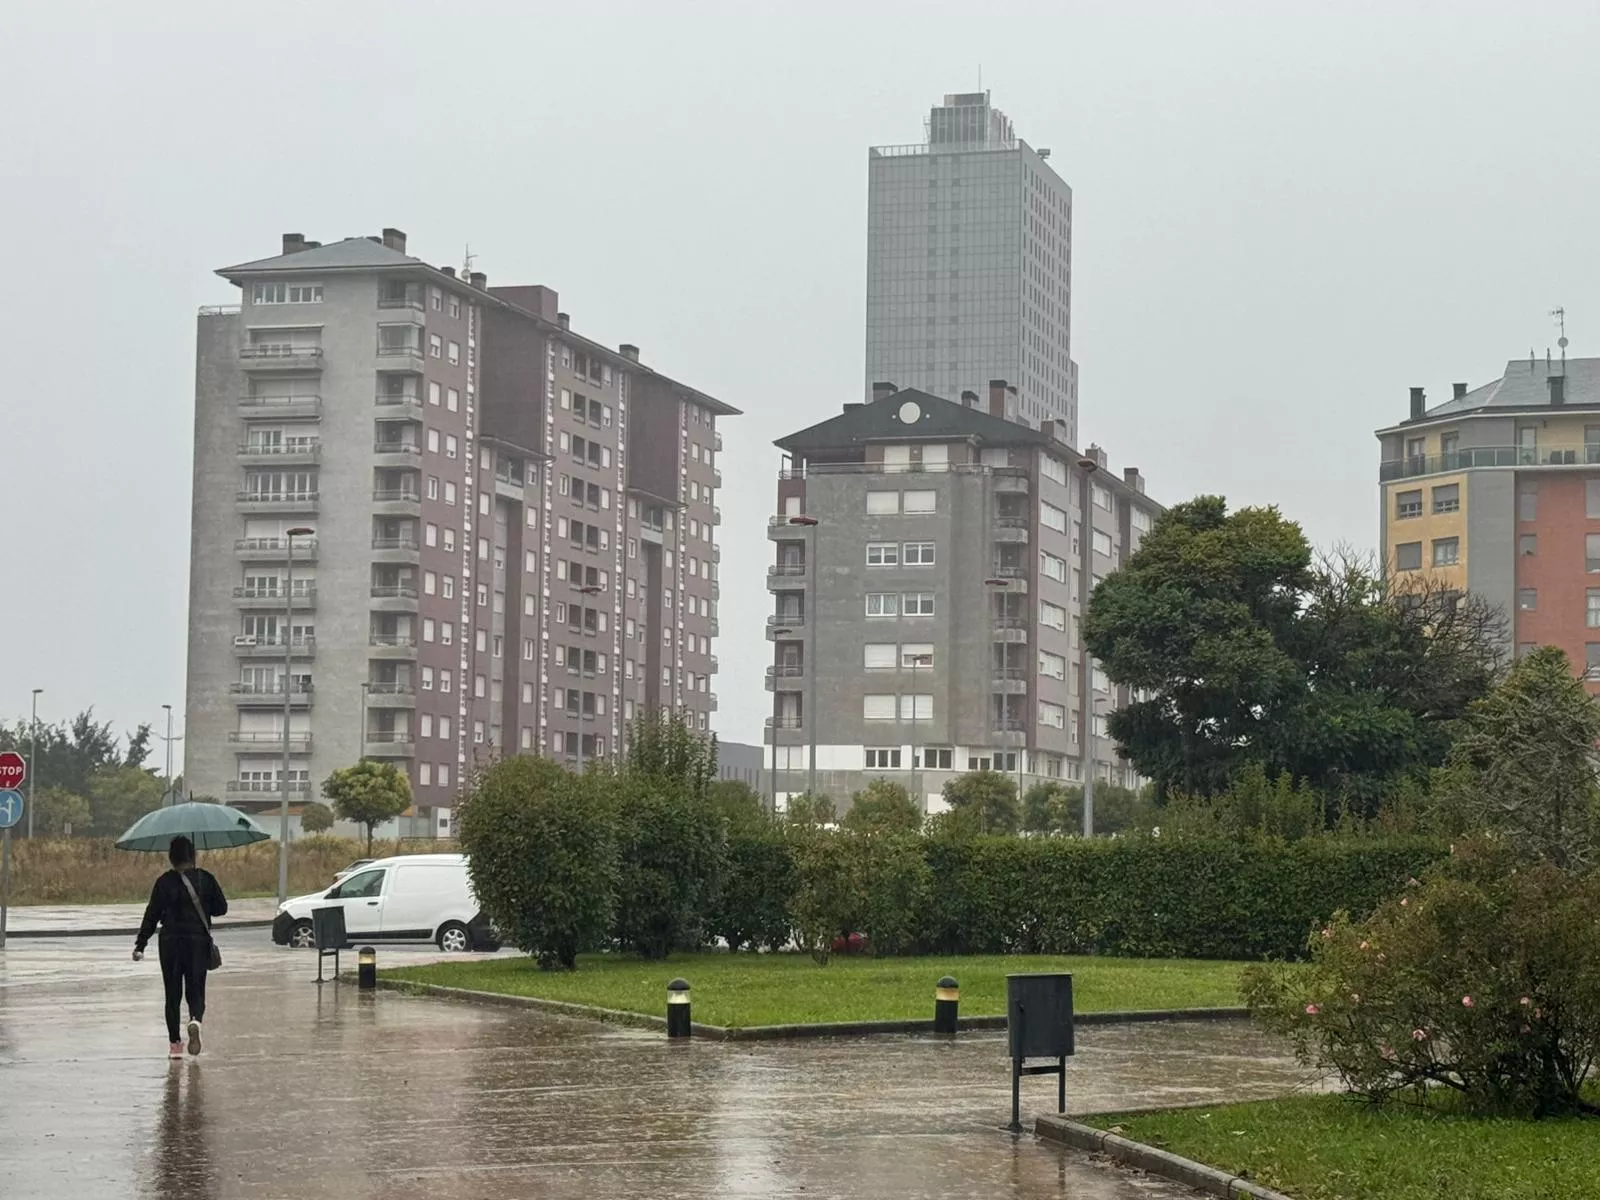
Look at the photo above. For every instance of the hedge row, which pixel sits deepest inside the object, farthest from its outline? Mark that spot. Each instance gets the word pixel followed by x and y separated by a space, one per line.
pixel 1179 898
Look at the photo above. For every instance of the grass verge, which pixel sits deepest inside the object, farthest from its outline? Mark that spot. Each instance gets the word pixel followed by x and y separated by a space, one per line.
pixel 1340 1148
pixel 783 989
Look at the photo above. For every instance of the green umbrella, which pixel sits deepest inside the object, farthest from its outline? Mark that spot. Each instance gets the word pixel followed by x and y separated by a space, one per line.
pixel 208 826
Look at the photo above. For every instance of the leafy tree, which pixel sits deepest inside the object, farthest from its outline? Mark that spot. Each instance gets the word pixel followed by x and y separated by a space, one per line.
pixel 989 796
pixel 119 796
pixel 752 905
pixel 669 836
pixel 830 895
pixel 68 753
pixel 542 853
pixel 897 885
pixel 316 818
pixel 1524 764
pixel 368 793
pixel 56 810
pixel 883 807
pixel 1246 650
pixel 807 809
pixel 1043 807
pixel 138 747
pixel 737 802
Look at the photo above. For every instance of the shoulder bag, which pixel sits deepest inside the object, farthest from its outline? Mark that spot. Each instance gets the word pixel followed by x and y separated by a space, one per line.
pixel 214 958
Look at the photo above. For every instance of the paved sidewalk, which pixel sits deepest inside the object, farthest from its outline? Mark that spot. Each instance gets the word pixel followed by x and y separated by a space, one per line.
pixel 83 920
pixel 313 1094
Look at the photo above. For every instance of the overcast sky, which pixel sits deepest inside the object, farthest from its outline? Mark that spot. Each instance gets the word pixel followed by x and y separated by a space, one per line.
pixel 1285 215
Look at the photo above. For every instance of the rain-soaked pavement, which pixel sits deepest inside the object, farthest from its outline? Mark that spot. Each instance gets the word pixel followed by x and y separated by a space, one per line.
pixel 309 1093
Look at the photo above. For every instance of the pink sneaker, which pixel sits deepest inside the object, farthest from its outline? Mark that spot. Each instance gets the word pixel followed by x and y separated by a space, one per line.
pixel 175 1050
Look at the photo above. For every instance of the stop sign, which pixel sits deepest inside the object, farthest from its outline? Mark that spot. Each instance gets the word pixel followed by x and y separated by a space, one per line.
pixel 13 770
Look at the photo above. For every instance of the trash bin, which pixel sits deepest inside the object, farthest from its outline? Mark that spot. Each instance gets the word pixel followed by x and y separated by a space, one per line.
pixel 327 927
pixel 1038 1025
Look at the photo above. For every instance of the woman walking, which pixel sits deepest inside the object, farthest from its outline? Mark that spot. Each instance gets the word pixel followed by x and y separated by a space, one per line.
pixel 182 902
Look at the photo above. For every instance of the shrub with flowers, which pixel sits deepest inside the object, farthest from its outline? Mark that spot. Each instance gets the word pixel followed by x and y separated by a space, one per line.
pixel 1482 977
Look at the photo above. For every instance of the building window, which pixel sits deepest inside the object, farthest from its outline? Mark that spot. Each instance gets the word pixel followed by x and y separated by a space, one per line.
pixel 919 554
pixel 883 760
pixel 1052 716
pixel 1052 517
pixel 1592 608
pixel 451 446
pixel 1053 666
pixel 435 345
pixel 1102 542
pixel 1052 615
pixel 878 656
pixel 1102 496
pixel 916 604
pixel 1446 552
pixel 1408 556
pixel 916 656
pixel 454 352
pixel 1408 505
pixel 1591 498
pixel 883 554
pixel 878 708
pixel 1528 503
pixel 916 708
pixel 919 502
pixel 286 293
pixel 883 604
pixel 1528 599
pixel 1528 544
pixel 882 503
pixel 1141 520
pixel 1052 567
pixel 427 679
pixel 1447 498
pixel 425 773
pixel 936 758
pixel 452 399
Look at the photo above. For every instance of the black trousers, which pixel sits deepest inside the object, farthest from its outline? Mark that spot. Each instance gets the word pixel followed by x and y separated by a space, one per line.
pixel 183 972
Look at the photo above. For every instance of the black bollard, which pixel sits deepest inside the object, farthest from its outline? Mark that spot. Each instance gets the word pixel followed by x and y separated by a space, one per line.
pixel 678 1020
pixel 946 1005
pixel 367 969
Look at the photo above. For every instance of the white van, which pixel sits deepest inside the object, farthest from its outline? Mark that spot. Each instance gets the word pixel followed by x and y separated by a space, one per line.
pixel 409 898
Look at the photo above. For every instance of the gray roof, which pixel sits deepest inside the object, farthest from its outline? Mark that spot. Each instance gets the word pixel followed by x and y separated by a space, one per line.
pixel 879 419
pixel 1525 386
pixel 351 254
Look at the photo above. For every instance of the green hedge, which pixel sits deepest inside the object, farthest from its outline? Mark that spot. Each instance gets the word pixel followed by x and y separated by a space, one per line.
pixel 1140 897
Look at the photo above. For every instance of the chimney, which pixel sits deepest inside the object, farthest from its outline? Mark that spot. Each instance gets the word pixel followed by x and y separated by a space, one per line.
pixel 882 390
pixel 1131 477
pixel 1459 390
pixel 450 271
pixel 997 397
pixel 969 399
pixel 293 243
pixel 478 280
pixel 629 351
pixel 1419 403
pixel 1558 389
pixel 395 239
pixel 563 320
pixel 1098 455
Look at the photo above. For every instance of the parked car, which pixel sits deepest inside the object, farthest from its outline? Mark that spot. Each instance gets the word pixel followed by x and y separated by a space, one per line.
pixel 410 898
pixel 355 866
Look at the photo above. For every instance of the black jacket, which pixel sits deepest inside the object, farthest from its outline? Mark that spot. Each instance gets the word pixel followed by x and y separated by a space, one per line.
pixel 171 907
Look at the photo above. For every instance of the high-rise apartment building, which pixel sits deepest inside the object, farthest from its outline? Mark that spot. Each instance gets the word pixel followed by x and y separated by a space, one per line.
pixel 931 561
pixel 969 264
pixel 501 535
pixel 1496 492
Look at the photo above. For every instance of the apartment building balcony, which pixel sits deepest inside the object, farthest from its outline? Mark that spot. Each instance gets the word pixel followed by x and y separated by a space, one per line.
pixel 275 599
pixel 712 700
pixel 389 743
pixel 1562 454
pixel 784 723
pixel 1008 681
pixel 299 453
pixel 396 501
pixel 275 549
pixel 400 405
pixel 714 664
pixel 400 597
pixel 1008 731
pixel 1011 630
pixel 780 530
pixel 716 515
pixel 411 300
pixel 280 408
pixel 793 622
pixel 279 356
pixel 261 743
pixel 270 694
pixel 1011 578
pixel 1011 481
pixel 716 554
pixel 716 442
pixel 248 646
pixel 277 502
pixel 396 453
pixel 264 789
pixel 786 576
pixel 785 677
pixel 395 549
pixel 716 477
pixel 716 590
pixel 716 627
pixel 392 645
pixel 400 357
pixel 1010 528
pixel 391 695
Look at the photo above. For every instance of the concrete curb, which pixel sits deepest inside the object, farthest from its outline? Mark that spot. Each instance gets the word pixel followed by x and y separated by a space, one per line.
pixel 133 932
pixel 1148 1158
pixel 767 1033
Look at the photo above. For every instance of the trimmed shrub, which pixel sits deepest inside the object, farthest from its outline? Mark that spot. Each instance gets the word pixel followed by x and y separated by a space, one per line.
pixel 752 905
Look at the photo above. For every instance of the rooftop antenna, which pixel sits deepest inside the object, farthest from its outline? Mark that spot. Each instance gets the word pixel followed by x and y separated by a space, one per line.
pixel 1560 314
pixel 466 261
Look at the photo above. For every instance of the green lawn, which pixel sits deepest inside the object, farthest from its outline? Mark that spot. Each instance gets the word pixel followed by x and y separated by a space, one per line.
pixel 1339 1148
pixel 782 989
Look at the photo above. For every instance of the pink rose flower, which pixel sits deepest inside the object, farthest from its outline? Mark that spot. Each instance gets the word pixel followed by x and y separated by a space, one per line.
pixel 1386 1051
pixel 1383 957
pixel 1412 882
pixel 1405 902
pixel 1355 997
pixel 1419 1035
pixel 1327 934
pixel 1466 1002
pixel 1363 946
pixel 1312 1010
pixel 1525 1001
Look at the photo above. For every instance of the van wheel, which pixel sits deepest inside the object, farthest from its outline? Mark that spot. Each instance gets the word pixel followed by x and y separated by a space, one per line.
pixel 454 938
pixel 302 936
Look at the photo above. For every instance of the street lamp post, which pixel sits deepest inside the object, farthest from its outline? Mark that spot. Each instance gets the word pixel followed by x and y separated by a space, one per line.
pixel 1088 467
pixel 166 794
pixel 811 676
pixel 288 708
pixel 586 590
pixel 33 756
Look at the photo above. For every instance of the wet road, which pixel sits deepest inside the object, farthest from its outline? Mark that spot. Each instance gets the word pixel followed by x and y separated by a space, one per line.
pixel 308 1093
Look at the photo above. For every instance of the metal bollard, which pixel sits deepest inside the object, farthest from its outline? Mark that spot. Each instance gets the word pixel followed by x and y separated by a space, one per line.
pixel 367 969
pixel 678 1020
pixel 946 1005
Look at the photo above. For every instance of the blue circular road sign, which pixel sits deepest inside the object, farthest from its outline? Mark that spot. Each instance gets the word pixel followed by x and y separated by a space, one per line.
pixel 10 808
